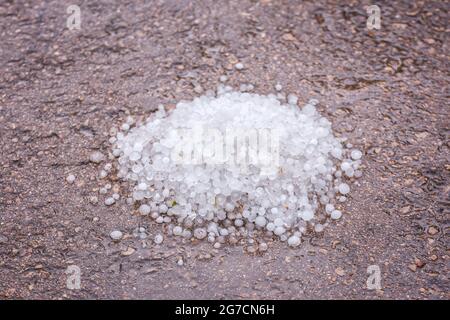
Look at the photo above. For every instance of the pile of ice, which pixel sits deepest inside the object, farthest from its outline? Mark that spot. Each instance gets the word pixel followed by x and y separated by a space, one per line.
pixel 232 165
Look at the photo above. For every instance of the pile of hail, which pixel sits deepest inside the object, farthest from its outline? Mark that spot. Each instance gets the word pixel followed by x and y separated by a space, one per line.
pixel 230 165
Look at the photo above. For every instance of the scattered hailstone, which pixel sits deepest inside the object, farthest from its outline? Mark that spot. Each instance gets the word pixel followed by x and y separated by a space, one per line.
pixel 144 209
pixel 336 214
pixel 344 188
pixel 70 178
pixel 116 235
pixel 110 201
pixel 96 157
pixel 239 66
pixel 294 241
pixel 200 233
pixel 356 154
pixel 158 239
pixel 278 180
pixel 177 231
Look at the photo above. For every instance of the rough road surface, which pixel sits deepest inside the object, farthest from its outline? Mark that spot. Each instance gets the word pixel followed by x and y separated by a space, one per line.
pixel 62 90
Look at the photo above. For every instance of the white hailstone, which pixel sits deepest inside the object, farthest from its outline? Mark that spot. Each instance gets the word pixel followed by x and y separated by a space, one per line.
pixel 293 241
pixel 350 172
pixel 279 222
pixel 278 87
pixel 130 120
pixel 345 165
pixel 116 235
pixel 279 231
pixel 116 196
pixel 342 199
pixel 155 158
pixel 356 154
pixel 263 246
pixel 142 186
pixel 187 234
pixel 329 208
pixel 103 191
pixel 270 226
pixel 200 233
pixel 125 127
pixel 318 228
pixel 96 157
pixel 223 78
pixel 260 221
pixel 154 215
pixel 177 231
pixel 103 174
pixel 239 66
pixel 307 215
pixel 292 99
pixel 144 209
pixel 158 239
pixel 163 208
pixel 217 245
pixel 229 207
pixel 344 188
pixel 336 214
pixel 109 201
pixel 70 178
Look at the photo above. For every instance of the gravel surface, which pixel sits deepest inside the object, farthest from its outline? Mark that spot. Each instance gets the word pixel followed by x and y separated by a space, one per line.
pixel 61 91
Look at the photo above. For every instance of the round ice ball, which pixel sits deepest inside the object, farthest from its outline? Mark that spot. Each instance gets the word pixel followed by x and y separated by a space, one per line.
pixel 336 214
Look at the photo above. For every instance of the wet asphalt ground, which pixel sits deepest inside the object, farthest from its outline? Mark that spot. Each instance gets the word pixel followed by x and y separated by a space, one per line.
pixel 62 90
